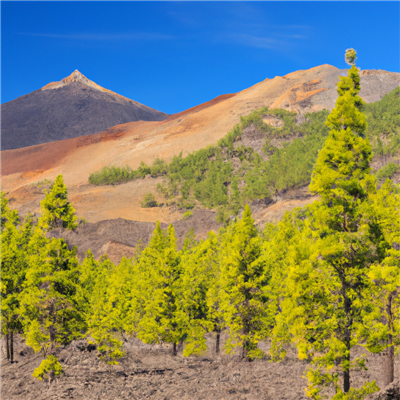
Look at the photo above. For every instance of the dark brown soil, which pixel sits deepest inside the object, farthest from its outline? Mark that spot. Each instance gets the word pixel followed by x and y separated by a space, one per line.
pixel 118 237
pixel 151 372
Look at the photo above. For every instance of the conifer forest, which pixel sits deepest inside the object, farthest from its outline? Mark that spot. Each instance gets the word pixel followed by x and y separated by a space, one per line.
pixel 324 279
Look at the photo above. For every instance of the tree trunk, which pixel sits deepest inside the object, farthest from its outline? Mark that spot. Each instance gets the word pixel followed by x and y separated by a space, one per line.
pixel 346 381
pixel 53 333
pixel 388 365
pixel 11 347
pixel 174 350
pixel 217 343
pixel 245 350
pixel 8 346
pixel 347 338
pixel 388 355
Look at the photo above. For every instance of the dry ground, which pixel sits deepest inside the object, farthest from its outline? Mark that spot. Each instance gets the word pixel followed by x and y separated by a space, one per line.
pixel 150 372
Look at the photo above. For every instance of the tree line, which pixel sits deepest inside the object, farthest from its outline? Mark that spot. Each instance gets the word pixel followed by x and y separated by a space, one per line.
pixel 325 279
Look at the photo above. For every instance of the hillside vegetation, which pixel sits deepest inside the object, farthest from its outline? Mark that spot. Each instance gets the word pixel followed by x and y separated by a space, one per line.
pixel 228 175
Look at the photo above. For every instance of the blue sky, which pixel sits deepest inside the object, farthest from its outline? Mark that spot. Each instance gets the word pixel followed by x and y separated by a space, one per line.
pixel 175 55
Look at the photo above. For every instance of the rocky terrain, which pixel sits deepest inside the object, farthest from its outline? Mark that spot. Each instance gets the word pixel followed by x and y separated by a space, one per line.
pixel 73 107
pixel 118 237
pixel 150 371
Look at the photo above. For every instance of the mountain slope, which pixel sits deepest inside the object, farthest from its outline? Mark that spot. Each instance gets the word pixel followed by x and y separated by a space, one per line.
pixel 73 107
pixel 193 129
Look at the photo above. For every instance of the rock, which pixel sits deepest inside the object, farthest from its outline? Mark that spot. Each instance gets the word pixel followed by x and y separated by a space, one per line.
pixel 391 392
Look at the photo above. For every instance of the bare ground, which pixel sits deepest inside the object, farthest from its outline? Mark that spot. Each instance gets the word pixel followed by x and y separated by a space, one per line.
pixel 151 372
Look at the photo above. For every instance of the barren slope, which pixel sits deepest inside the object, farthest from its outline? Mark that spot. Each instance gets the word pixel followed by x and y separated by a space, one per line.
pixel 73 107
pixel 131 143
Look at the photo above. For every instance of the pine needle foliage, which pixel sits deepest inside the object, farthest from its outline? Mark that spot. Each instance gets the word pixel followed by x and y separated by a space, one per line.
pixel 50 312
pixel 154 295
pixel 241 287
pixel 56 210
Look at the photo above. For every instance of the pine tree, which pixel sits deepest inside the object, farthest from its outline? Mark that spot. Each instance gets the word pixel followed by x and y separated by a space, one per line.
pixel 48 304
pixel 154 295
pixel 285 247
pixel 56 211
pixel 332 281
pixel 14 241
pixel 199 274
pixel 382 308
pixel 241 287
pixel 101 296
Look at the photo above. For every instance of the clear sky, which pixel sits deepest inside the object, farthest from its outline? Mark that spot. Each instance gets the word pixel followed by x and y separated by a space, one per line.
pixel 175 55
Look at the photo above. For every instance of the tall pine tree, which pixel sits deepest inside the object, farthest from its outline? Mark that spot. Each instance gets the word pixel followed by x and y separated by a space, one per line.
pixel 329 285
pixel 51 313
pixel 382 305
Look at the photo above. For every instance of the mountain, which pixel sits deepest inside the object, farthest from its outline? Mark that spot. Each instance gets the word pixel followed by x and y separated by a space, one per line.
pixel 191 130
pixel 72 107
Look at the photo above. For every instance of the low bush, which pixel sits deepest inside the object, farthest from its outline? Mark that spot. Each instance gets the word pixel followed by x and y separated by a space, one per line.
pixel 187 215
pixel 149 201
pixel 387 172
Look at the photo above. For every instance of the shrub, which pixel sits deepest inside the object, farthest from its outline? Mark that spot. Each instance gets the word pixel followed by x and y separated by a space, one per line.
pixel 112 175
pixel 387 171
pixel 149 201
pixel 43 182
pixel 187 215
pixel 159 167
pixel 48 365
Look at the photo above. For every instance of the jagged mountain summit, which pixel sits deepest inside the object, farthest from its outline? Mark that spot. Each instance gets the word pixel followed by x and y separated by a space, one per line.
pixel 72 107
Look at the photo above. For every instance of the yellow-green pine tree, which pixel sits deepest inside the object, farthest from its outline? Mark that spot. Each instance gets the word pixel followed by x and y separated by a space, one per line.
pixel 382 305
pixel 199 266
pixel 14 241
pixel 154 296
pixel 243 277
pixel 56 210
pixel 48 306
pixel 100 297
pixel 341 246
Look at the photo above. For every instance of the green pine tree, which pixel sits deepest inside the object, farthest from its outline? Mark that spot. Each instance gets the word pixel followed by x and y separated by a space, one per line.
pixel 155 291
pixel 14 240
pixel 48 305
pixel 199 274
pixel 241 292
pixel 56 210
pixel 100 293
pixel 330 283
pixel 382 305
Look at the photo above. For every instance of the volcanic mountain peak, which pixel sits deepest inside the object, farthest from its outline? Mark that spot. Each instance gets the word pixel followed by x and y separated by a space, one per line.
pixel 77 76
pixel 75 106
